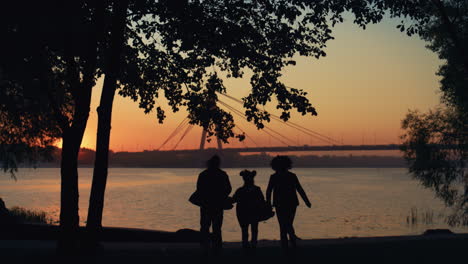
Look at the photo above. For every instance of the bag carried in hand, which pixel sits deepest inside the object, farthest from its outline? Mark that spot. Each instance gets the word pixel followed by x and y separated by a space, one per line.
pixel 228 203
pixel 195 198
pixel 266 212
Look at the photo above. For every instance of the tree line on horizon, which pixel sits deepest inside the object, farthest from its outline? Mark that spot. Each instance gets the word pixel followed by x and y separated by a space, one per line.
pixel 53 52
pixel 155 159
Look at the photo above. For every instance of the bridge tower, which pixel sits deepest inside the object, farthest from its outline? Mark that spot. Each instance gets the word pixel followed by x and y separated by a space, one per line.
pixel 211 105
pixel 203 140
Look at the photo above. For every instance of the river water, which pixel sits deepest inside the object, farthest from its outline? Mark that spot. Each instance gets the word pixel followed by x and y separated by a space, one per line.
pixel 345 202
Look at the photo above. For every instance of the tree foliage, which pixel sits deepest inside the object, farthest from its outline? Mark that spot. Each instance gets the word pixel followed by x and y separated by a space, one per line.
pixel 181 48
pixel 51 56
pixel 442 23
pixel 43 59
pixel 435 144
pixel 34 94
pixel 436 148
pixel 172 47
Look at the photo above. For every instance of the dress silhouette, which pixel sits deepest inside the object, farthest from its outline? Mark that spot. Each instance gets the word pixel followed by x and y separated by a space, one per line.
pixel 285 185
pixel 213 187
pixel 250 201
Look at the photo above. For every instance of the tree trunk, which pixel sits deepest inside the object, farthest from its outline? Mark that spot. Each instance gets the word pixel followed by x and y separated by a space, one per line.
pixel 96 201
pixel 69 195
pixel 72 137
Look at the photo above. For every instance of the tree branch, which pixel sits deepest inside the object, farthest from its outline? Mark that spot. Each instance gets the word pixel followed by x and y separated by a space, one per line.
pixel 450 27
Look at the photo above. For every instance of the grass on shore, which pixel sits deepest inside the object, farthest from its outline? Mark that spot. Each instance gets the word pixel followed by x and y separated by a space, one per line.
pixel 30 216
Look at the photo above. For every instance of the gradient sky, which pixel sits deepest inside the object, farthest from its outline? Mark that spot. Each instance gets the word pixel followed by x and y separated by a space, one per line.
pixel 361 90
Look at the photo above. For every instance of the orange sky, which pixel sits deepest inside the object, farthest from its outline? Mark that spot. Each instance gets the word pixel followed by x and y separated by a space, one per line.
pixel 361 90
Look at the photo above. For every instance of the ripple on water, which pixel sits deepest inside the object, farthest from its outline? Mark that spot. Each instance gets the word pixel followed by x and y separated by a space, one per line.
pixel 346 202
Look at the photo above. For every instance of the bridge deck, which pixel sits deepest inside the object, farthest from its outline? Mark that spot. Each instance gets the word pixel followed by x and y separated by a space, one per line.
pixel 302 148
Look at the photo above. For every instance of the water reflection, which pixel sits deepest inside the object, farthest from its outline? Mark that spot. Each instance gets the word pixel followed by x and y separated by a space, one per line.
pixel 346 202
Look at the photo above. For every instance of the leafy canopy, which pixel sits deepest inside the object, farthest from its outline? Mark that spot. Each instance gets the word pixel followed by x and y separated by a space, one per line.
pixel 181 48
pixel 44 56
pixel 435 144
pixel 177 49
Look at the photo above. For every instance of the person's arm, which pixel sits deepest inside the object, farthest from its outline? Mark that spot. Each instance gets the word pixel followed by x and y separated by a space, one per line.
pixel 301 192
pixel 260 194
pixel 228 184
pixel 269 190
pixel 235 197
pixel 201 182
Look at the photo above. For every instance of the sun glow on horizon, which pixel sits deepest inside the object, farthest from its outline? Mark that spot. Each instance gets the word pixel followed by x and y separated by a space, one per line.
pixel 86 143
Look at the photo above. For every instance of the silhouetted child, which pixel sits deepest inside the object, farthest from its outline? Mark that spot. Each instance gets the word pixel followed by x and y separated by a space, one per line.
pixel 249 199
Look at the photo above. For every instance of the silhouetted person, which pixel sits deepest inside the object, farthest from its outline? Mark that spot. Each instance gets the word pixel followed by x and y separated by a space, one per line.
pixel 249 199
pixel 284 185
pixel 214 188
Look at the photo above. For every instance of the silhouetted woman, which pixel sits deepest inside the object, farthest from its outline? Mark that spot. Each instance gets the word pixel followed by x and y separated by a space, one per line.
pixel 249 199
pixel 284 185
pixel 214 188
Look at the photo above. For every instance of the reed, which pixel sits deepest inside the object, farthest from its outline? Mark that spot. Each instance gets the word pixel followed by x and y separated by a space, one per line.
pixel 415 217
pixel 30 216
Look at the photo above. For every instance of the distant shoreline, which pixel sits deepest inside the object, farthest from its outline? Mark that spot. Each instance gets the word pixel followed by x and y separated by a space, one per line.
pixel 155 159
pixel 226 167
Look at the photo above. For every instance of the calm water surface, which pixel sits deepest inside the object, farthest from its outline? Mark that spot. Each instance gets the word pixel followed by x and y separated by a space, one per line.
pixel 345 202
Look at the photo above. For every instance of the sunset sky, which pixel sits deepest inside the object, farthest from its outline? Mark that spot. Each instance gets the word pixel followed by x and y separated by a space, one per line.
pixel 361 90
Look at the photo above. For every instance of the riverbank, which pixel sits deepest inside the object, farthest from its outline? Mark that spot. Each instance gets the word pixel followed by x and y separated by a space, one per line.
pixel 435 248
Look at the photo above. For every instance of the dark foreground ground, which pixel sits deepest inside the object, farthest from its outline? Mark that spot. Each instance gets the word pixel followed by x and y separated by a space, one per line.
pixel 404 249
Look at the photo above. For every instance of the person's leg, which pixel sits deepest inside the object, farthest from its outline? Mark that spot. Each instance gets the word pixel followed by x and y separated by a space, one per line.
pixel 282 221
pixel 254 234
pixel 205 222
pixel 217 216
pixel 245 235
pixel 291 231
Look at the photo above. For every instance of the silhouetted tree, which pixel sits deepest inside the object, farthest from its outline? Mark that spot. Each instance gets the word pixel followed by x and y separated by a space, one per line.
pixel 112 72
pixel 179 48
pixel 441 22
pixel 436 143
pixel 27 120
pixel 435 147
pixel 49 61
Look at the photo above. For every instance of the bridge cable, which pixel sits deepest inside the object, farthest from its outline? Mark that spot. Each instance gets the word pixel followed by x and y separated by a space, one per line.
pixel 308 131
pixel 177 130
pixel 182 128
pixel 243 142
pixel 305 131
pixel 265 128
pixel 247 136
pixel 289 123
pixel 294 125
pixel 302 129
pixel 174 133
pixel 242 116
pixel 189 127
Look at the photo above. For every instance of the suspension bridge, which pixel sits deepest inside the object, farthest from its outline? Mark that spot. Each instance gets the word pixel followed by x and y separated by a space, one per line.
pixel 285 142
